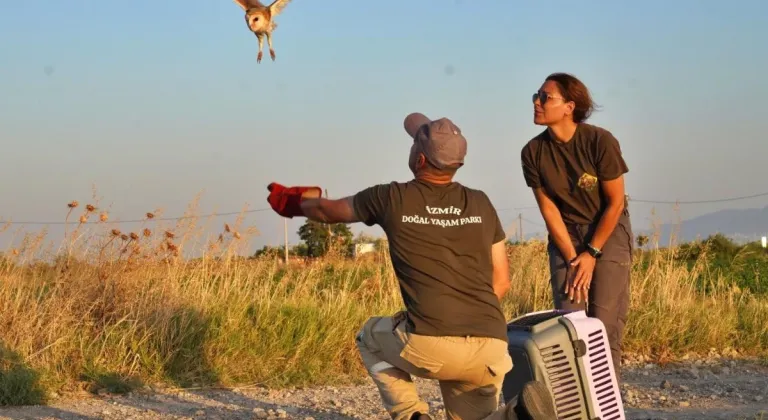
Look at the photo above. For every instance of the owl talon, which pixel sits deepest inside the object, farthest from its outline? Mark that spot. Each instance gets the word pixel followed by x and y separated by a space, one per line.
pixel 272 54
pixel 258 57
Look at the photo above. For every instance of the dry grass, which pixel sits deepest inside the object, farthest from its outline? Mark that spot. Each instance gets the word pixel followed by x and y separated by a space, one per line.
pixel 115 309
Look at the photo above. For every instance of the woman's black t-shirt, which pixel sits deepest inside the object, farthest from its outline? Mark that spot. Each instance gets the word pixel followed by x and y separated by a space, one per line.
pixel 570 171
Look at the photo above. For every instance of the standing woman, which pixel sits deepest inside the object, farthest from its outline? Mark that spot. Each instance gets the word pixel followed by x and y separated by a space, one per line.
pixel 576 171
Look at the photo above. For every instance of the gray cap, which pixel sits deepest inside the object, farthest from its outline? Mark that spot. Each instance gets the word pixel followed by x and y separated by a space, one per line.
pixel 440 140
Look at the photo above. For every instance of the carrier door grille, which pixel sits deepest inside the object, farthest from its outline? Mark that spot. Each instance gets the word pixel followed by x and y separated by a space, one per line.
pixel 599 358
pixel 565 384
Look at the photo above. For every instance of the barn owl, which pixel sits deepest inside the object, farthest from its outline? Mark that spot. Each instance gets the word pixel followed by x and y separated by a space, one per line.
pixel 260 20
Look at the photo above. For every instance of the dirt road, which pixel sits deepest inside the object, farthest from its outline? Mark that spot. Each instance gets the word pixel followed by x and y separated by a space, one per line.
pixel 715 389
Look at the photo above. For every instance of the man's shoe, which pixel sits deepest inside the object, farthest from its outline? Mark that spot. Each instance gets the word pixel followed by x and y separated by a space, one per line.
pixel 536 402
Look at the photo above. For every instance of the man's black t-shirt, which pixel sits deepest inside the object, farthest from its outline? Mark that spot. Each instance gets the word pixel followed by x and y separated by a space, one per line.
pixel 440 239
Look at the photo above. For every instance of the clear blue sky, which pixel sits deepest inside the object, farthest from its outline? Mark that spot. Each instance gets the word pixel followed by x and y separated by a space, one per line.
pixel 156 101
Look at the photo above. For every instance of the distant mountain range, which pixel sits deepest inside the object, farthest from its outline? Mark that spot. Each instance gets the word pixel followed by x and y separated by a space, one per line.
pixel 741 226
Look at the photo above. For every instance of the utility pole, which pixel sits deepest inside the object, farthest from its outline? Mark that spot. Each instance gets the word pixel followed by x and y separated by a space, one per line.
pixel 328 225
pixel 520 227
pixel 285 232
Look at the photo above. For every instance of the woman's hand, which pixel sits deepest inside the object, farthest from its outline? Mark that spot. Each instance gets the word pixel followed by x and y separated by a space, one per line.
pixel 581 269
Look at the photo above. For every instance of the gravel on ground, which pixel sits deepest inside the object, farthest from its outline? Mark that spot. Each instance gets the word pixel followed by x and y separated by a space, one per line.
pixel 713 388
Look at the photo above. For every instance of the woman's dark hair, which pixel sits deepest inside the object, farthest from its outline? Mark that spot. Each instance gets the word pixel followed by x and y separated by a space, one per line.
pixel 574 90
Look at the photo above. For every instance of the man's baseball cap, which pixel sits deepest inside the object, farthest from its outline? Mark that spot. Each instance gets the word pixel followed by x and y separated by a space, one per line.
pixel 440 140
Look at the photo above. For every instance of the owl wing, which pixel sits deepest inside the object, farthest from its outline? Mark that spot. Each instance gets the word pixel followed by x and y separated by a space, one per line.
pixel 247 4
pixel 277 6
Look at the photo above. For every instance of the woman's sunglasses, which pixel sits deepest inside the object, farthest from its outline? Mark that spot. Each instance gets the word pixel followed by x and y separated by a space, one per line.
pixel 543 97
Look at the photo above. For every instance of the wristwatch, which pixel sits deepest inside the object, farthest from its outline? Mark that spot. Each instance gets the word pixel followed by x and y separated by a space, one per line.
pixel 594 252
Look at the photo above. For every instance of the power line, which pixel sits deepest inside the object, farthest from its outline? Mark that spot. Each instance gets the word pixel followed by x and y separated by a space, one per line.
pixel 636 200
pixel 157 219
pixel 719 200
pixel 154 219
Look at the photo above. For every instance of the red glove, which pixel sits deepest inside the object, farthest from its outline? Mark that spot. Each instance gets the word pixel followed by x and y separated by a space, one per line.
pixel 287 201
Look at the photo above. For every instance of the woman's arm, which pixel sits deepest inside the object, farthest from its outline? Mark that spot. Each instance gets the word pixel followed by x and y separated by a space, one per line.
pixel 547 207
pixel 585 262
pixel 614 195
pixel 610 168
pixel 555 224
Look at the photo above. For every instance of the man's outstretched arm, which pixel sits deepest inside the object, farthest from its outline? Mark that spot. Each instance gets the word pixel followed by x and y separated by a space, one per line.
pixel 329 211
pixel 366 206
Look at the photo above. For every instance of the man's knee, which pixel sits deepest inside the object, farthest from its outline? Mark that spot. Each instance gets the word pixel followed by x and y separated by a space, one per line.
pixel 360 336
pixel 376 343
pixel 367 335
pixel 366 342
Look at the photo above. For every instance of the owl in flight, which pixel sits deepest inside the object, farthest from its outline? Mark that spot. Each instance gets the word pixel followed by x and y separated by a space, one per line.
pixel 260 20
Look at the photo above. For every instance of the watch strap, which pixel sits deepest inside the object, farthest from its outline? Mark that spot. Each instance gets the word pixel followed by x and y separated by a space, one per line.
pixel 595 252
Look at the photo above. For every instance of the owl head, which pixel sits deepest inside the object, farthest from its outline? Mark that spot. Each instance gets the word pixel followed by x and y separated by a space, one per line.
pixel 256 19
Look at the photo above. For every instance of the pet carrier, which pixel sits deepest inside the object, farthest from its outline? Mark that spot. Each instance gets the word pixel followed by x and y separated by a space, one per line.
pixel 569 352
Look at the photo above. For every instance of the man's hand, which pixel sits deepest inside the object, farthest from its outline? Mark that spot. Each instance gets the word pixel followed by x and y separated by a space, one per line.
pixel 580 277
pixel 286 201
